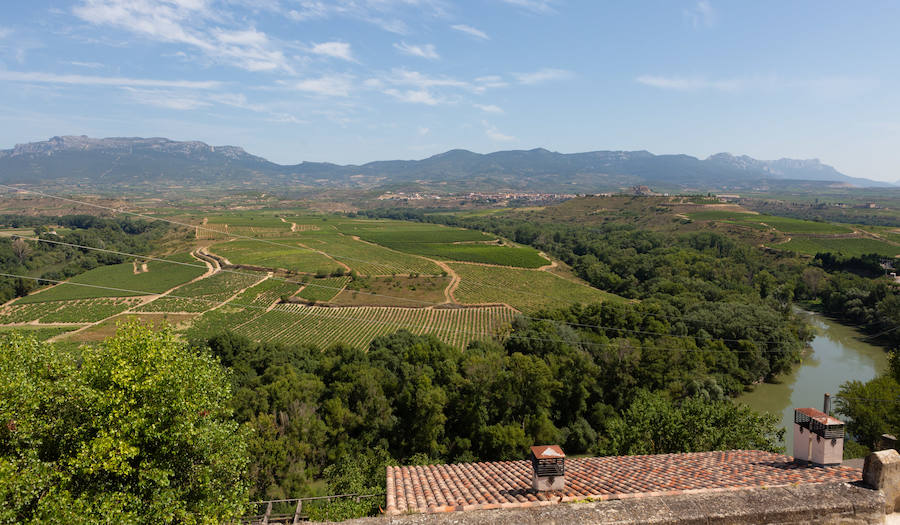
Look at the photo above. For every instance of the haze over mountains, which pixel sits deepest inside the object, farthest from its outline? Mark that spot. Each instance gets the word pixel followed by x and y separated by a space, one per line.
pixel 141 160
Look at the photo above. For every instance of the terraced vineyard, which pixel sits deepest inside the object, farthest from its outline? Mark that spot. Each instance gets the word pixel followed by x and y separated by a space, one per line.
pixel 524 290
pixel 357 326
pixel 41 333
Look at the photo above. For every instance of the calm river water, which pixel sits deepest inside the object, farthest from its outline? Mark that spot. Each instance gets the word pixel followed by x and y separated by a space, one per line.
pixel 838 355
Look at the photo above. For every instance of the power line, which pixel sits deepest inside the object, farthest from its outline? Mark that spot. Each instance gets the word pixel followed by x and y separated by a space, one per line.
pixel 532 318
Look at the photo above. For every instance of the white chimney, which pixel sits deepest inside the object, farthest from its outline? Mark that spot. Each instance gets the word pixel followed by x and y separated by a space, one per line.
pixel 818 437
pixel 548 464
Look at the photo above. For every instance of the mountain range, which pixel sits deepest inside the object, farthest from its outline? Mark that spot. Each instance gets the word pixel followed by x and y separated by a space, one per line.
pixel 132 160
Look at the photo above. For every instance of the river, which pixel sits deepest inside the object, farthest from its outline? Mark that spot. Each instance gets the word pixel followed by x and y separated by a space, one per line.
pixel 838 354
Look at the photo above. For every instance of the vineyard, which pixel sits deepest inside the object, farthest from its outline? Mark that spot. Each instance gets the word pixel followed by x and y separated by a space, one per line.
pixel 283 253
pixel 524 290
pixel 323 289
pixel 200 296
pixel 161 276
pixel 357 326
pixel 41 333
pixel 76 311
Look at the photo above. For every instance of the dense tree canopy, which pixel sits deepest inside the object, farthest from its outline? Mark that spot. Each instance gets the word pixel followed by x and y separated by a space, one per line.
pixel 135 430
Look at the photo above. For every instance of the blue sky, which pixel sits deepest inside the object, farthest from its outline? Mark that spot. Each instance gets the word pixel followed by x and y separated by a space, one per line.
pixel 351 81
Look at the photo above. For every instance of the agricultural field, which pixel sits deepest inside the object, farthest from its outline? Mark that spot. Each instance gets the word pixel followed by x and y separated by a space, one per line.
pixel 41 333
pixel 443 242
pixel 357 326
pixel 200 296
pixel 286 253
pixel 159 277
pixel 851 246
pixel 323 289
pixel 266 293
pixel 75 311
pixel 367 258
pixel 395 291
pixel 107 328
pixel 525 290
pixel 782 224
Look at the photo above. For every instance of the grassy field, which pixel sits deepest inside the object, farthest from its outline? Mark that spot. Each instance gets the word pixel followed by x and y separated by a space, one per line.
pixel 367 258
pixel 518 256
pixel 853 246
pixel 107 328
pixel 161 276
pixel 524 290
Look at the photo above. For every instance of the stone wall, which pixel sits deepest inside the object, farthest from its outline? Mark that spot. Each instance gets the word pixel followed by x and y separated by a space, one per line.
pixel 824 503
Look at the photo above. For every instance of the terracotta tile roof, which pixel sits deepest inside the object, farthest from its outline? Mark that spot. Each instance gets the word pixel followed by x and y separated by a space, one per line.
pixel 548 452
pixel 819 416
pixel 507 484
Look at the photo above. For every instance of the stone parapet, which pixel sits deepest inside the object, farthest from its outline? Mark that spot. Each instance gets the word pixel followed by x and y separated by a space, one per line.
pixel 820 503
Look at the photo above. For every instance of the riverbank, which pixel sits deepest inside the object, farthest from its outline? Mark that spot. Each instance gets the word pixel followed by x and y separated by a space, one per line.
pixel 839 353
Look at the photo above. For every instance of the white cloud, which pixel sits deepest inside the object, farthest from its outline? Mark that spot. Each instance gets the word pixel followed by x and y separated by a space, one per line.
pixel 424 51
pixel 401 76
pixel 701 15
pixel 386 14
pixel 90 65
pixel 327 85
pixel 489 108
pixel 490 81
pixel 677 83
pixel 166 99
pixel 413 96
pixel 538 6
pixel 88 80
pixel 334 49
pixel 5 32
pixel 477 33
pixel 494 134
pixel 192 23
pixel 543 75
pixel 820 87
pixel 423 131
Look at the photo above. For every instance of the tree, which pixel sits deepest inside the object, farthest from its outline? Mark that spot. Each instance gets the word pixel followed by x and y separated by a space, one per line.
pixel 871 408
pixel 135 430
pixel 21 249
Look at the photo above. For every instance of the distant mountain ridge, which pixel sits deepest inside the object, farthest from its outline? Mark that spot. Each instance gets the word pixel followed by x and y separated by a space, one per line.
pixel 123 160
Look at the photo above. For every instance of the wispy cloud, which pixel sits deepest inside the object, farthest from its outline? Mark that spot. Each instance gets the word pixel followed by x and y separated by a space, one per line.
pixel 494 134
pixel 327 85
pixel 166 99
pixel 820 87
pixel 190 22
pixel 469 30
pixel 423 131
pixel 5 32
pixel 678 83
pixel 89 65
pixel 489 108
pixel 701 14
pixel 423 51
pixel 89 80
pixel 543 75
pixel 413 96
pixel 538 6
pixel 334 49
pixel 387 14
pixel 490 81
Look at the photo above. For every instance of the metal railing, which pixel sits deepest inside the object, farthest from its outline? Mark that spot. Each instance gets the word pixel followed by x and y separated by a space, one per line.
pixel 272 515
